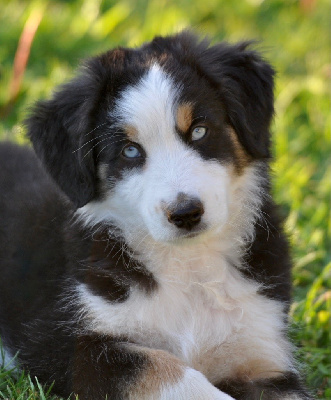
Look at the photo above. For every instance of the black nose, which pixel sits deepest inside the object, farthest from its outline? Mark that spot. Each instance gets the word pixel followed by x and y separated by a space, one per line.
pixel 186 214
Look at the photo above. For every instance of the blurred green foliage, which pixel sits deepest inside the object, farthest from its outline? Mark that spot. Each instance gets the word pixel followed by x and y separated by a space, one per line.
pixel 294 36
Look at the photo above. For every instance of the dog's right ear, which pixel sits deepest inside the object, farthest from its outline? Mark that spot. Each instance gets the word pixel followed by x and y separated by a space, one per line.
pixel 59 130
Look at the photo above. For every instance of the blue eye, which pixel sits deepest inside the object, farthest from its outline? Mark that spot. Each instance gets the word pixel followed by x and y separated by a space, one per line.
pixel 131 151
pixel 198 132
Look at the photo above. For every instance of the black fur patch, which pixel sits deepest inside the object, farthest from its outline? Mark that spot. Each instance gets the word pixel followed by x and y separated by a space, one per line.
pixel 106 265
pixel 268 389
pixel 104 367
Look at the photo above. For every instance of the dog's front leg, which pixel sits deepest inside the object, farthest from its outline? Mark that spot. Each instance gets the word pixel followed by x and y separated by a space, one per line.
pixel 113 369
pixel 285 386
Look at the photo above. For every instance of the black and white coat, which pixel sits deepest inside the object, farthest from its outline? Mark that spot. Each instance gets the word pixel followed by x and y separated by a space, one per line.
pixel 142 256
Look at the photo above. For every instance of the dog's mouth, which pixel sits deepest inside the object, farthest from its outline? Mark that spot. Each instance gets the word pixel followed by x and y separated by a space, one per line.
pixel 192 234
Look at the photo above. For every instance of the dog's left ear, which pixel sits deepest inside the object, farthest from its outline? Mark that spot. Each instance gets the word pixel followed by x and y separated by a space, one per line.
pixel 58 129
pixel 245 82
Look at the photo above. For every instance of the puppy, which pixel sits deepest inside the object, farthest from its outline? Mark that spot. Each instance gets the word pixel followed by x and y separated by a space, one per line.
pixel 142 256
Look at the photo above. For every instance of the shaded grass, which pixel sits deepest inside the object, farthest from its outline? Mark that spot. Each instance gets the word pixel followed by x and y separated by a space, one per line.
pixel 17 385
pixel 22 388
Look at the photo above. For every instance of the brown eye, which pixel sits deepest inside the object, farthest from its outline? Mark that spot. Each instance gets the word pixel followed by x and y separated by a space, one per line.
pixel 198 132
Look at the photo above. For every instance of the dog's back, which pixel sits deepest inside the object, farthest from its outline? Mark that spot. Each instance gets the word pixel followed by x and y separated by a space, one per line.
pixel 32 212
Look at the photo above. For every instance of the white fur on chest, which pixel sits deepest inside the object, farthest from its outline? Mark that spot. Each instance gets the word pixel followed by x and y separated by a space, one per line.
pixel 204 312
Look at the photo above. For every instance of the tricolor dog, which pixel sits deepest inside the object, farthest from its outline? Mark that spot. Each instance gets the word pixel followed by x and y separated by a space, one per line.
pixel 142 256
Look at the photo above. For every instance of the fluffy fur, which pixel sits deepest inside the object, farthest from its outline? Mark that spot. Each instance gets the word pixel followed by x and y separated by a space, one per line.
pixel 142 256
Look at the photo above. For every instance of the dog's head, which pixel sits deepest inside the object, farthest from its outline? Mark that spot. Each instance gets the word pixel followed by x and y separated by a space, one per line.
pixel 156 140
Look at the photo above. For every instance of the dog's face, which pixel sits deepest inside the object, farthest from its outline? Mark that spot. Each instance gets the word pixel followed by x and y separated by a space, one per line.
pixel 171 148
pixel 157 140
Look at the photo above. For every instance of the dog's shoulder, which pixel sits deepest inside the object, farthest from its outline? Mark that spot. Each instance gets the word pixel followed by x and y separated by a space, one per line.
pixel 33 215
pixel 23 175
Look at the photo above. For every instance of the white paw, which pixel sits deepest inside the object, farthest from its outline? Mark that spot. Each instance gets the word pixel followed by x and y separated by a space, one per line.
pixel 193 386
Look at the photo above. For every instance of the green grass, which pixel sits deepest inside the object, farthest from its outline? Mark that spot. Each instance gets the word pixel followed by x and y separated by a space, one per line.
pixel 22 388
pixel 294 37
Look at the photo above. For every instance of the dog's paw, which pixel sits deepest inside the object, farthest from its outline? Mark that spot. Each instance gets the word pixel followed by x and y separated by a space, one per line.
pixel 165 377
pixel 193 386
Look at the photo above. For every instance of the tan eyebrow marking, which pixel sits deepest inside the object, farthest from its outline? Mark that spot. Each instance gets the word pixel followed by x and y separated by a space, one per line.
pixel 184 116
pixel 242 157
pixel 131 132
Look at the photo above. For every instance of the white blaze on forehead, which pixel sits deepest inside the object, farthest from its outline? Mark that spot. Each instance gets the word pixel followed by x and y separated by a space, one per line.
pixel 149 106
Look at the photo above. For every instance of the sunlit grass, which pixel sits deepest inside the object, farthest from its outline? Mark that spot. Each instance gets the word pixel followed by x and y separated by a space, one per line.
pixel 294 37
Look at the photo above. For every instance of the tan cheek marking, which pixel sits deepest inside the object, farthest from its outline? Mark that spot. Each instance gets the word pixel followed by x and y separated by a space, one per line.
pixel 256 369
pixel 131 132
pixel 163 370
pixel 246 370
pixel 184 116
pixel 242 157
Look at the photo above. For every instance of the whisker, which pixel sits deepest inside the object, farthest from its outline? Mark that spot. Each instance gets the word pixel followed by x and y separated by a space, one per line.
pixel 110 134
pixel 95 128
pixel 108 144
pixel 91 140
pixel 122 140
pixel 104 147
pixel 99 141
